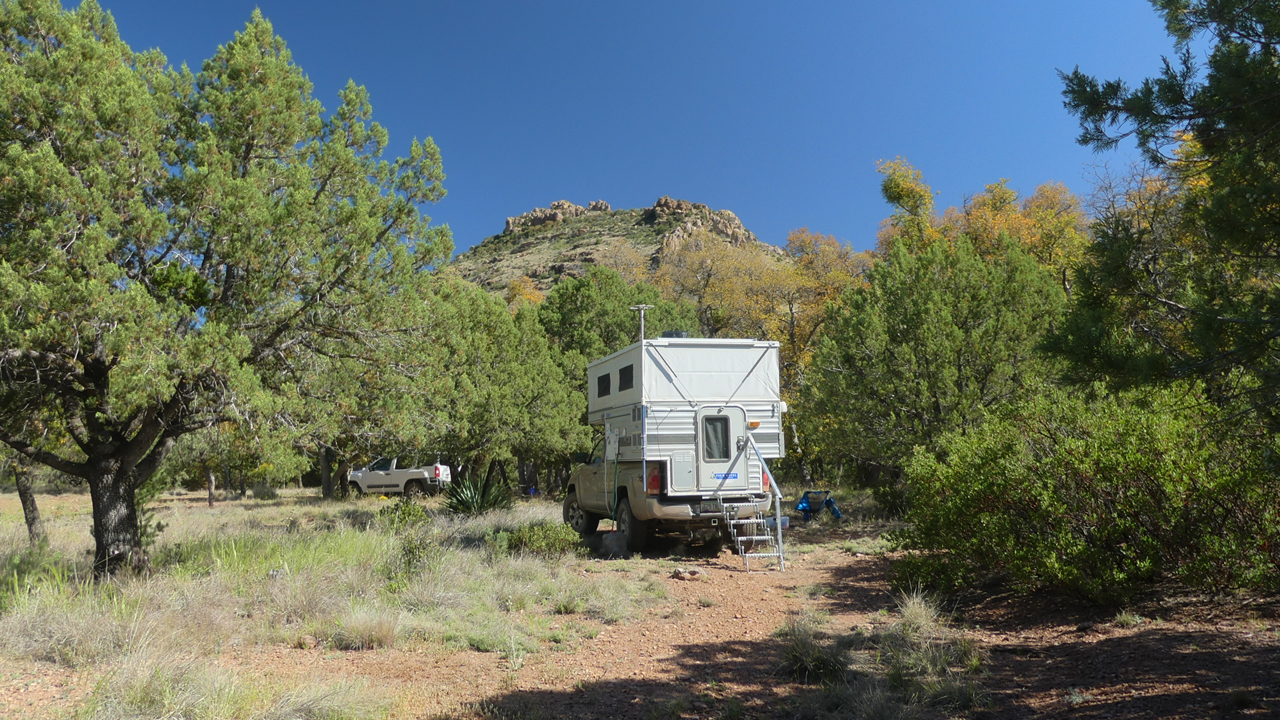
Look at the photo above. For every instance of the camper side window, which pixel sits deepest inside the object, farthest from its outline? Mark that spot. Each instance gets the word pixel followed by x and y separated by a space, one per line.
pixel 626 379
pixel 602 385
pixel 715 437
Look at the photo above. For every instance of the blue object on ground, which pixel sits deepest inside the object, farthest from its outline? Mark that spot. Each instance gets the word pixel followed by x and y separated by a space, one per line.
pixel 810 506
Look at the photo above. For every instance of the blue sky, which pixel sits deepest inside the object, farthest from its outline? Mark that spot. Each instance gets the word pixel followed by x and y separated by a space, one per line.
pixel 776 111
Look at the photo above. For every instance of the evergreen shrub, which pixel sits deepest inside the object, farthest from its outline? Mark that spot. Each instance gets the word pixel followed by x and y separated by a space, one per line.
pixel 1096 494
pixel 546 539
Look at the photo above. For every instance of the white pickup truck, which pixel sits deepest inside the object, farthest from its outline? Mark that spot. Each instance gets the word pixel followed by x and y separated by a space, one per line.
pixel 382 476
pixel 686 426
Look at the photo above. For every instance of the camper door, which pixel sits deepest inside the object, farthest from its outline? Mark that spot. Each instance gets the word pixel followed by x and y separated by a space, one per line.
pixel 722 449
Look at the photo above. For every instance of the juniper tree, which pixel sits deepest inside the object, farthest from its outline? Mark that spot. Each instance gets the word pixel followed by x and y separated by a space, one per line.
pixel 174 241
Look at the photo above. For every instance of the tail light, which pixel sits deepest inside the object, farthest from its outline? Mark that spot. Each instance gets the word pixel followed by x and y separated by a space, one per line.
pixel 437 469
pixel 766 481
pixel 653 483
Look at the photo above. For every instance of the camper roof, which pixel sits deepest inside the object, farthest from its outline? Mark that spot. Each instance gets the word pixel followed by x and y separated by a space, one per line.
pixel 689 342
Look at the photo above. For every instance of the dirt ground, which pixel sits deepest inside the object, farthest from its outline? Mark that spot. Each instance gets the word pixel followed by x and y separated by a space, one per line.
pixel 709 652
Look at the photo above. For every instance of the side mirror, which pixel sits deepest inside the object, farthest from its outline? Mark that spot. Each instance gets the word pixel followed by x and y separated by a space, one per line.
pixel 582 457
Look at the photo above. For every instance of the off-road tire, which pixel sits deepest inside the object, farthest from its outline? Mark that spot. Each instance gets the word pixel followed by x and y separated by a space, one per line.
pixel 413 488
pixel 583 522
pixel 634 532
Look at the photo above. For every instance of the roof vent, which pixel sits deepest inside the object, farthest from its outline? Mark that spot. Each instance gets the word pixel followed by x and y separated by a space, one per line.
pixel 675 333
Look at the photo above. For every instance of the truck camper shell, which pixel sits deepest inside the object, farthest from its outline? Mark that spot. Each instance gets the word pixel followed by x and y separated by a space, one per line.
pixel 688 404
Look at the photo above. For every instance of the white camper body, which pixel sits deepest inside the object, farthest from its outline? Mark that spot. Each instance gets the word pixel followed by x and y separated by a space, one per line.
pixel 688 403
pixel 686 426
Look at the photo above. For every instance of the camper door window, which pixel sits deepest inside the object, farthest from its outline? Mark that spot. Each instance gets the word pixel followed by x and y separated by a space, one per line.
pixel 715 437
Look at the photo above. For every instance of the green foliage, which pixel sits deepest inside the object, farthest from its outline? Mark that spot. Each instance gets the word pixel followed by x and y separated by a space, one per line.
pixel 931 342
pixel 1187 286
pixel 1095 495
pixel 548 539
pixel 473 493
pixel 30 567
pixel 504 393
pixel 182 247
pixel 590 315
pixel 404 514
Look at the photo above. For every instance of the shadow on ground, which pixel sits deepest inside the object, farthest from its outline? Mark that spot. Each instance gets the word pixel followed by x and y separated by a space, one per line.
pixel 1154 673
pixel 727 679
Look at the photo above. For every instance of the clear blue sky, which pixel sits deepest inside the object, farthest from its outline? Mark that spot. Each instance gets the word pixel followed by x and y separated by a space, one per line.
pixel 776 111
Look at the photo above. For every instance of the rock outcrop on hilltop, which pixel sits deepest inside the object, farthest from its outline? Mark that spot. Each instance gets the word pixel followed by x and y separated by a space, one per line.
pixel 696 216
pixel 565 239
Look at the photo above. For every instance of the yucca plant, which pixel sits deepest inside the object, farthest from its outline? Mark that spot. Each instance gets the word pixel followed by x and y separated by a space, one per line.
pixel 474 494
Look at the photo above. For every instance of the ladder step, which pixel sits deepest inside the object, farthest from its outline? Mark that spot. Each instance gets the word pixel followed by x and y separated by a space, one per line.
pixel 755 537
pixel 772 554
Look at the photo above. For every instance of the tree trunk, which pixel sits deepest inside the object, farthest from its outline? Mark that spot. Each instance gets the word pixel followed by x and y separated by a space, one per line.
pixel 116 532
pixel 208 476
pixel 344 478
pixel 802 461
pixel 35 526
pixel 326 474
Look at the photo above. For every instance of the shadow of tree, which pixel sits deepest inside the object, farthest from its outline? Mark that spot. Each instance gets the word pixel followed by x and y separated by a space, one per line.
pixel 1153 673
pixel 722 679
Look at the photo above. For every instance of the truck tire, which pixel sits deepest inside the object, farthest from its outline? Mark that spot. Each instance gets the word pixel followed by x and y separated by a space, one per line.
pixel 634 532
pixel 413 488
pixel 583 522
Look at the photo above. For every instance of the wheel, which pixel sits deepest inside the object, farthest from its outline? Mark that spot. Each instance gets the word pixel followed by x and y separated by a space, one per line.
pixel 635 532
pixel 413 488
pixel 583 522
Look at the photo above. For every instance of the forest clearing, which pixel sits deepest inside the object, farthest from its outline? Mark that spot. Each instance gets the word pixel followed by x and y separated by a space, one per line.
pixel 485 635
pixel 1051 417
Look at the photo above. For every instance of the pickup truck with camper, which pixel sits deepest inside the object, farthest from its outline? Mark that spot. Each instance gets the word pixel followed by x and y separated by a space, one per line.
pixel 684 429
pixel 383 476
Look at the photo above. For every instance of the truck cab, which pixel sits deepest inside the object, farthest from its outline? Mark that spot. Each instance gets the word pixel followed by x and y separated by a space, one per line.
pixel 384 476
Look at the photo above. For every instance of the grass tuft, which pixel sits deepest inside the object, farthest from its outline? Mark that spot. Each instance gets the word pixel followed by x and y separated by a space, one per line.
pixel 805 655
pixel 1127 619
pixel 365 629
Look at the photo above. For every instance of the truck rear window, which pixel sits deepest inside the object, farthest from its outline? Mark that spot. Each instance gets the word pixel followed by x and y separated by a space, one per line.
pixel 715 437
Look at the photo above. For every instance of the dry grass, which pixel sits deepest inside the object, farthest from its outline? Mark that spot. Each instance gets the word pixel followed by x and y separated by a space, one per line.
pixel 916 662
pixel 365 629
pixel 156 684
pixel 284 572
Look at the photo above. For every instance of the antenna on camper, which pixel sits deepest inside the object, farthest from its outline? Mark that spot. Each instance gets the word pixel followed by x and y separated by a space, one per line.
pixel 641 308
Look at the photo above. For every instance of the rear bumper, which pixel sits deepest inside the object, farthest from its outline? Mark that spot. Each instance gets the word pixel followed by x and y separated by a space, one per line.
pixel 698 511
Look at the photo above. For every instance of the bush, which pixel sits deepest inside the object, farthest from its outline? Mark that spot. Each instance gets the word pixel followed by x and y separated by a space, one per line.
pixel 404 514
pixel 263 491
pixel 1095 494
pixel 546 539
pixel 473 494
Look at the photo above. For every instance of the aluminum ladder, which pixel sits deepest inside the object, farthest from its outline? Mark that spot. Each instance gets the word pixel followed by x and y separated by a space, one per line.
pixel 751 535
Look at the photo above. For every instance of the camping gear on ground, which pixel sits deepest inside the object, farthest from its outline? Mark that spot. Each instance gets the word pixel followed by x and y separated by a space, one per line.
pixel 812 502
